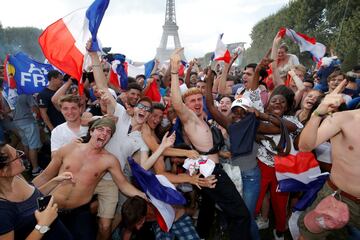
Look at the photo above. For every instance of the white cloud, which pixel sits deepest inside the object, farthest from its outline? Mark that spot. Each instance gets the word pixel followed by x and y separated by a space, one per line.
pixel 134 27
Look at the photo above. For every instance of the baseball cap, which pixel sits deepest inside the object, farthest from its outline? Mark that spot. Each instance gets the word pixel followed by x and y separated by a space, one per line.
pixel 329 214
pixel 243 102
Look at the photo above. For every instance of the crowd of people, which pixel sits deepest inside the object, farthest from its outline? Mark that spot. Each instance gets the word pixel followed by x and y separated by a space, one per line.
pixel 216 135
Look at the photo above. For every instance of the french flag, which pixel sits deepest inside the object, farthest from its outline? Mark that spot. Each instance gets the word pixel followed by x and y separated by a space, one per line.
pixel 119 72
pixel 144 69
pixel 299 173
pixel 305 42
pixel 221 52
pixel 63 42
pixel 161 193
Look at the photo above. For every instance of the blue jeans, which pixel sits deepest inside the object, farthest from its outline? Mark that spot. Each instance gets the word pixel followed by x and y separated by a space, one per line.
pixel 251 188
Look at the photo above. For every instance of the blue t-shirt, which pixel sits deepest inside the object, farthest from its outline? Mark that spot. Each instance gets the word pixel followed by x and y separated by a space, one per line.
pixel 19 217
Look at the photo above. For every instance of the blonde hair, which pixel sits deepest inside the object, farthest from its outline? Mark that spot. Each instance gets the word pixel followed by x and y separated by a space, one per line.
pixel 191 91
pixel 300 67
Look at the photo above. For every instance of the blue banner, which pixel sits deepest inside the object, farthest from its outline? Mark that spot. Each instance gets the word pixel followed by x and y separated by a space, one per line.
pixel 30 75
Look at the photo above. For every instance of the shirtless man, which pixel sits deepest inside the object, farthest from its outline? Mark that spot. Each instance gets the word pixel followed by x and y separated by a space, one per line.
pixel 343 129
pixel 87 162
pixel 200 136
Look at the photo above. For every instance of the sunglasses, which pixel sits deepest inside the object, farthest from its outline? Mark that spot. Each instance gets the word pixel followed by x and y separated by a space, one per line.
pixel 142 106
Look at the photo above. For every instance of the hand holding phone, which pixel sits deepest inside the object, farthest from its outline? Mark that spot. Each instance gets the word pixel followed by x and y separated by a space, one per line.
pixel 42 202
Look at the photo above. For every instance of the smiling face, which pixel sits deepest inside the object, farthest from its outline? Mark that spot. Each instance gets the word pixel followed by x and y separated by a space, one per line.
pixel 155 118
pixel 142 112
pixel 225 106
pixel 71 111
pixel 195 103
pixel 277 105
pixel 310 99
pixel 133 96
pixel 281 54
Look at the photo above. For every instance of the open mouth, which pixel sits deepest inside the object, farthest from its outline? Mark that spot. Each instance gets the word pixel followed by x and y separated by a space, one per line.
pixel 100 142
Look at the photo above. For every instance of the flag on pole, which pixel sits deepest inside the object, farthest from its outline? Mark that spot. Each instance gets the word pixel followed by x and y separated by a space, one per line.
pixel 221 52
pixel 63 42
pixel 305 42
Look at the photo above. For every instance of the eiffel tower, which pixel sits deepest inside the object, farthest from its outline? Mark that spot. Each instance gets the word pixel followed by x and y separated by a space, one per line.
pixel 170 29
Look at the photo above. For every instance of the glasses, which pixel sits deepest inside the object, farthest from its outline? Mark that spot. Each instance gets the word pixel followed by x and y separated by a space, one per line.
pixel 142 106
pixel 19 155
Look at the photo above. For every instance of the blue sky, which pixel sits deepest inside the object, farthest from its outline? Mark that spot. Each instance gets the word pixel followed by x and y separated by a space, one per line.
pixel 134 27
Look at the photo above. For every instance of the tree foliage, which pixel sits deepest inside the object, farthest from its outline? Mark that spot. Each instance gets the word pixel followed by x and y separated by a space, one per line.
pixel 335 23
pixel 24 39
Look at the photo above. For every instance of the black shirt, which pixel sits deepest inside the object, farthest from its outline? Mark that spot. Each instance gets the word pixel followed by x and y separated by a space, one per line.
pixel 56 118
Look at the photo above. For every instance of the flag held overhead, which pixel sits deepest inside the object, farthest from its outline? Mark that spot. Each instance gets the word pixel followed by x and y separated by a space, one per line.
pixel 63 42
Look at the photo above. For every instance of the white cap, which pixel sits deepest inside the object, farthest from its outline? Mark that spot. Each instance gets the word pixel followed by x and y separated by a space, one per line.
pixel 243 102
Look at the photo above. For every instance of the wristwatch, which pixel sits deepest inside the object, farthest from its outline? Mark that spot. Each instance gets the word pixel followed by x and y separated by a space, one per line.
pixel 42 228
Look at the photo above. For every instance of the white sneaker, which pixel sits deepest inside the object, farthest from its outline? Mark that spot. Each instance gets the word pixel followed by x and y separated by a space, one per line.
pixel 276 236
pixel 261 223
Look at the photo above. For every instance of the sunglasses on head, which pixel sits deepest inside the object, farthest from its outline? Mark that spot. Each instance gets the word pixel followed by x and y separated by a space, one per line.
pixel 142 106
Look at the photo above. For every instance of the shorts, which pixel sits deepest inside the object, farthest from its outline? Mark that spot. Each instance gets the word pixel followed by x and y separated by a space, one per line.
pixel 107 192
pixel 354 210
pixel 29 134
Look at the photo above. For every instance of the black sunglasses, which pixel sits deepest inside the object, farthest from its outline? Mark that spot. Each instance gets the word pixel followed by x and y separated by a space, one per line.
pixel 142 106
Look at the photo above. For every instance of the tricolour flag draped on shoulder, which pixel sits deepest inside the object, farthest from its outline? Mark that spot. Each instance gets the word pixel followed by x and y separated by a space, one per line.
pixel 9 85
pixel 64 42
pixel 161 192
pixel 30 76
pixel 305 42
pixel 221 52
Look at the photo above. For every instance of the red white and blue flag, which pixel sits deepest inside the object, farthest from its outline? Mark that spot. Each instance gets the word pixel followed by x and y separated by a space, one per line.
pixel 221 52
pixel 64 42
pixel 161 193
pixel 297 173
pixel 305 42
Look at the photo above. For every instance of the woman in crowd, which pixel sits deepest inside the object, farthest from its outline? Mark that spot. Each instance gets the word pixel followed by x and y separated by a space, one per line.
pixel 19 217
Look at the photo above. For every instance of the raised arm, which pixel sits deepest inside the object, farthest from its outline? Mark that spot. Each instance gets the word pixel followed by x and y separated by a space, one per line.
pixel 59 93
pixel 182 111
pixel 166 142
pixel 188 73
pixel 313 135
pixel 222 80
pixel 275 72
pixel 265 61
pixel 99 76
pixel 218 117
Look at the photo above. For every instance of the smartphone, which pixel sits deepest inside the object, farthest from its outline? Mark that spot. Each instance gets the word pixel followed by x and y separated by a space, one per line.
pixel 42 202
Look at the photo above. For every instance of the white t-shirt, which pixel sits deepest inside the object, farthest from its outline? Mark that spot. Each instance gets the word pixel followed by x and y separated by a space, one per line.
pixel 62 135
pixel 122 144
pixel 266 152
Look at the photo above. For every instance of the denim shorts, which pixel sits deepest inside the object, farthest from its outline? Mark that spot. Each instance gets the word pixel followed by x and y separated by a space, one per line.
pixel 30 135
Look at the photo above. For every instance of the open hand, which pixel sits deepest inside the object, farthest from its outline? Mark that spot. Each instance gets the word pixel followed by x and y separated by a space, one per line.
pixel 167 140
pixel 175 60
